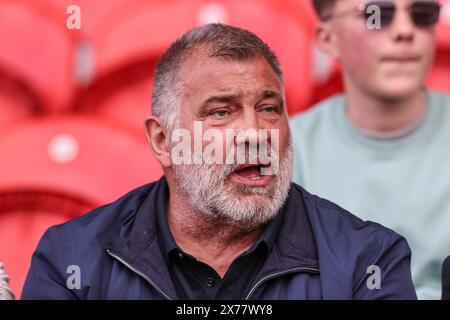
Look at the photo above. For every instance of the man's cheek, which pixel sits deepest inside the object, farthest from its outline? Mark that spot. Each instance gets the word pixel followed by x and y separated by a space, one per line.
pixel 357 58
pixel 428 44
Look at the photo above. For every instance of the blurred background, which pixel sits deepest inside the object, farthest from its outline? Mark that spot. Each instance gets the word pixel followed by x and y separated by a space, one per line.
pixel 73 100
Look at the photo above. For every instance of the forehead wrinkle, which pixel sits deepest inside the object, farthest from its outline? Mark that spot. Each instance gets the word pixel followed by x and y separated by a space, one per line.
pixel 240 83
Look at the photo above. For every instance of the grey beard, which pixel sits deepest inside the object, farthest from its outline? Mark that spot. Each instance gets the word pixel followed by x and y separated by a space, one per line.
pixel 205 186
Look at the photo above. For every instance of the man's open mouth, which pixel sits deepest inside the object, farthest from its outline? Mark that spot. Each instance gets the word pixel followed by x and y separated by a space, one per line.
pixel 252 175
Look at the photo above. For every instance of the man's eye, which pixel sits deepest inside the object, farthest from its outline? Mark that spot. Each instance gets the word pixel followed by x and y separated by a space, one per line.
pixel 220 113
pixel 271 109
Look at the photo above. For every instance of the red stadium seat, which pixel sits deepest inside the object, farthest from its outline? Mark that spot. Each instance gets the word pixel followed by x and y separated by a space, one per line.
pixel 439 78
pixel 92 12
pixel 37 47
pixel 17 100
pixel 124 96
pixel 137 31
pixel 55 169
pixel 443 29
pixel 130 105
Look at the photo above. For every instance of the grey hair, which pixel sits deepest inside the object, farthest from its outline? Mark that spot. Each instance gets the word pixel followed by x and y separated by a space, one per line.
pixel 216 40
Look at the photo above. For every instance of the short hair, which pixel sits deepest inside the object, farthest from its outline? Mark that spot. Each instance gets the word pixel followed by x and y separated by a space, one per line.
pixel 321 5
pixel 213 40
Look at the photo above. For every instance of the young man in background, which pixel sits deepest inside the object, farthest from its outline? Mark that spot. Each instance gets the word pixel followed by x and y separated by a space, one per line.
pixel 382 150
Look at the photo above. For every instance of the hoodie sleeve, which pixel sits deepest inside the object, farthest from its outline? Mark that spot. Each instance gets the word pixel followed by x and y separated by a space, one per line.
pixel 385 271
pixel 47 278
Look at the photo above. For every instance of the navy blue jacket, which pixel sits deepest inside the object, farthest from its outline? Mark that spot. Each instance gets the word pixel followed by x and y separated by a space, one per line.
pixel 321 252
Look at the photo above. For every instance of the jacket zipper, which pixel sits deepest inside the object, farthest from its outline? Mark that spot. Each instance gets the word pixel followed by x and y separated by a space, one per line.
pixel 281 273
pixel 139 273
pixel 252 290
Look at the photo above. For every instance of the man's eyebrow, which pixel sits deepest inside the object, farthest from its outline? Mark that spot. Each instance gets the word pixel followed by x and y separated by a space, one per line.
pixel 221 98
pixel 217 99
pixel 269 94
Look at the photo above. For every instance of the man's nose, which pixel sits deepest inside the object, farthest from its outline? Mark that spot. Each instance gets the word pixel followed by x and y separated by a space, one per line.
pixel 248 123
pixel 402 28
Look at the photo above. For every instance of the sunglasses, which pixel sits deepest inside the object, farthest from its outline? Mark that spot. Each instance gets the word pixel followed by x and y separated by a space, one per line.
pixel 424 14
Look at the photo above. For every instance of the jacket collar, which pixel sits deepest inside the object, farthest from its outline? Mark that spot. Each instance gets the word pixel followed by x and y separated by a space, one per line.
pixel 139 243
pixel 295 247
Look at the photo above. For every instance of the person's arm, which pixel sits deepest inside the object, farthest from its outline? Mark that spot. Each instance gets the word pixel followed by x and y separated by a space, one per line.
pixel 385 271
pixel 46 278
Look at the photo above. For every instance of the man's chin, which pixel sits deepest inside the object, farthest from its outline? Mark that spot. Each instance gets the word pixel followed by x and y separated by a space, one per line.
pixel 399 88
pixel 244 220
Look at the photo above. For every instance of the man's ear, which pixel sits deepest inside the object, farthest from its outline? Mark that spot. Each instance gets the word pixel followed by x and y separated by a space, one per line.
pixel 326 39
pixel 159 140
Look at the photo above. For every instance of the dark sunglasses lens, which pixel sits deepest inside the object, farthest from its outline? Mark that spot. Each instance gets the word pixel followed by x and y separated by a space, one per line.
pixel 385 10
pixel 425 13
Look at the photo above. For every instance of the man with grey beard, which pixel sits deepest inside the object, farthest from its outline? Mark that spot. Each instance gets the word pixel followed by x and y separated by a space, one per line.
pixel 225 222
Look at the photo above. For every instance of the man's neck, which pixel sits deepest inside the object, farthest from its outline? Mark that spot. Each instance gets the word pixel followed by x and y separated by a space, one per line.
pixel 214 241
pixel 372 114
